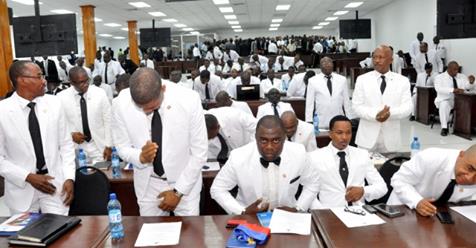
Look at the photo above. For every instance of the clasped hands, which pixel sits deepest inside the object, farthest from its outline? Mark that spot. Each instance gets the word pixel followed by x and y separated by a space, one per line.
pixel 383 115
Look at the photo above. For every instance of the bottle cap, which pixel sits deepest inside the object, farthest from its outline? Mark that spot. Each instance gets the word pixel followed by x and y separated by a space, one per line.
pixel 415 138
pixel 112 196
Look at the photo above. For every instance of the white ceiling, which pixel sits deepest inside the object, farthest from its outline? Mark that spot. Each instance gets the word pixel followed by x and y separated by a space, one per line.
pixel 204 15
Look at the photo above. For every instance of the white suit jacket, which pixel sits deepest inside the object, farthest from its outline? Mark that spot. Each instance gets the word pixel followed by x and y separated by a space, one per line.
pixel 184 141
pixel 114 68
pixel 266 85
pixel 444 86
pixel 267 109
pixel 421 81
pixel 214 86
pixel 99 114
pixel 17 155
pixel 231 87
pixel 243 106
pixel 426 176
pixel 297 86
pixel 433 58
pixel 331 187
pixel 243 169
pixel 367 101
pixel 305 135
pixel 327 106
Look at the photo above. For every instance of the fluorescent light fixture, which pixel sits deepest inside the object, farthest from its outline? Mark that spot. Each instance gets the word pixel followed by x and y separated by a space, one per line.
pixel 112 24
pixel 26 2
pixel 332 18
pixel 317 27
pixel 195 32
pixel 157 14
pixel 105 35
pixel 277 20
pixel 230 17
pixel 226 9
pixel 139 4
pixel 236 27
pixel 233 22
pixel 220 2
pixel 125 29
pixel 187 29
pixel 354 4
pixel 275 25
pixel 323 23
pixel 341 12
pixel 97 19
pixel 238 30
pixel 283 7
pixel 118 37
pixel 180 25
pixel 61 11
pixel 273 29
pixel 170 20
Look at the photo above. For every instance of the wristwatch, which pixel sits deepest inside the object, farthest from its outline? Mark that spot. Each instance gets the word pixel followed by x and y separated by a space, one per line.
pixel 178 194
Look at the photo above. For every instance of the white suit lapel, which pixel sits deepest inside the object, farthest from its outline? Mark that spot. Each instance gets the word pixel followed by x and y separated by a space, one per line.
pixel 42 115
pixel 16 118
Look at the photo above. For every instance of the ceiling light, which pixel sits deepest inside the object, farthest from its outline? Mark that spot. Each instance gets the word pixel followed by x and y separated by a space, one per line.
pixel 157 14
pixel 61 11
pixel 179 25
pixel 219 2
pixel 277 20
pixel 195 32
pixel 354 4
pixel 238 30
pixel 323 23
pixel 273 29
pixel 282 7
pixel 118 37
pixel 236 27
pixel 317 27
pixel 226 9
pixel 274 25
pixel 26 2
pixel 125 29
pixel 112 24
pixel 341 12
pixel 105 35
pixel 187 29
pixel 230 17
pixel 139 4
pixel 170 20
pixel 333 18
pixel 233 22
pixel 97 19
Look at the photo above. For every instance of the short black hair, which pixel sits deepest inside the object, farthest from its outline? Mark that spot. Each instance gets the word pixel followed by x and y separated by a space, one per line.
pixel 428 66
pixel 211 121
pixel 338 118
pixel 270 121
pixel 145 85
pixel 17 69
pixel 205 74
pixel 76 71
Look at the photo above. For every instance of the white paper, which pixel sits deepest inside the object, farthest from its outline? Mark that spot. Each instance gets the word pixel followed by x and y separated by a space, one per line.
pixel 287 222
pixel 356 220
pixel 467 211
pixel 211 166
pixel 155 234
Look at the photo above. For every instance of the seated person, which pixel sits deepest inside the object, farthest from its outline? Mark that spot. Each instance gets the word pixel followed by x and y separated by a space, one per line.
pixel 274 106
pixel 270 82
pixel 207 66
pixel 207 85
pixel 299 131
pixel 434 177
pixel 343 170
pixel 256 169
pixel 424 79
pixel 241 66
pixel 245 79
pixel 223 99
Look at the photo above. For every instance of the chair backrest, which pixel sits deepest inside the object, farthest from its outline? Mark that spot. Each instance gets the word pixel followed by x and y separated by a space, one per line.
pixel 386 171
pixel 91 192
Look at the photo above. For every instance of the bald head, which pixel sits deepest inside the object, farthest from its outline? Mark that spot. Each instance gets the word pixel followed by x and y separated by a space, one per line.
pixel 269 122
pixel 145 85
pixel 223 99
pixel 382 58
pixel 290 123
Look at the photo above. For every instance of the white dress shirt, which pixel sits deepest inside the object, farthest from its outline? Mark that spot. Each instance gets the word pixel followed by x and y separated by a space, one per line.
pixel 444 86
pixel 272 48
pixel 238 67
pixel 211 68
pixel 243 106
pixel 217 53
pixel 267 109
pixel 196 52
pixel 186 83
pixel 266 85
pixel 318 47
pixel 214 86
pixel 433 58
pixel 305 135
pixel 261 60
pixel 148 63
pixel 414 49
pixel 114 69
pixel 440 50
pixel 423 80
pixel 297 88
pixel 232 56
pixel 108 89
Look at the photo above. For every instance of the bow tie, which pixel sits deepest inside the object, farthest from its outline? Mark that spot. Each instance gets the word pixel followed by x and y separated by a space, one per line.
pixel 266 163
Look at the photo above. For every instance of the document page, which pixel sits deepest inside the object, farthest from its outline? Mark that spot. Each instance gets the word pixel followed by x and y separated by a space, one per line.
pixel 155 234
pixel 352 219
pixel 287 222
pixel 467 211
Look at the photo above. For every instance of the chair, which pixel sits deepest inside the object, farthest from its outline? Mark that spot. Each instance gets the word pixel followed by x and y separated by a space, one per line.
pixel 386 171
pixel 91 192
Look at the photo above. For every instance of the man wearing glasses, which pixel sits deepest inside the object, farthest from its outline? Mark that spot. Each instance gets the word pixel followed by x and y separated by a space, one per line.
pixel 36 151
pixel 433 178
pixel 268 173
pixel 88 113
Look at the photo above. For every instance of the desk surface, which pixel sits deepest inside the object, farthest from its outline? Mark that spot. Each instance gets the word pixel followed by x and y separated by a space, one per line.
pixel 204 231
pixel 410 230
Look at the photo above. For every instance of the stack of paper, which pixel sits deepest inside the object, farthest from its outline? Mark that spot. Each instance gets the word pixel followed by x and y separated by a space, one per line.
pixel 356 220
pixel 155 234
pixel 467 211
pixel 287 222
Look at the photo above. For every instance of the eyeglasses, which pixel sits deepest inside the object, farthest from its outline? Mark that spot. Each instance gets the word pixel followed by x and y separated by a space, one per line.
pixel 354 211
pixel 36 77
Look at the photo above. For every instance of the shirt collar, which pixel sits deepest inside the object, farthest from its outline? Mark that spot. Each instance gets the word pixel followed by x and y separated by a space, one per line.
pixel 22 101
pixel 334 150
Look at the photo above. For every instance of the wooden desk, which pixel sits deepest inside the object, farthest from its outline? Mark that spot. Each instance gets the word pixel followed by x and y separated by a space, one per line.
pixel 425 104
pixel 204 231
pixel 92 231
pixel 465 114
pixel 323 139
pixel 410 230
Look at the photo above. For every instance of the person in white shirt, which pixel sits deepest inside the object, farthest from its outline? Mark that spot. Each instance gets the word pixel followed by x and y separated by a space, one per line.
pixel 427 56
pixel 207 66
pixel 283 63
pixel 398 64
pixel 244 79
pixel 188 83
pixel 149 120
pixel 256 169
pixel 97 81
pixel 122 83
pixel 146 62
pixel 440 49
pixel 63 67
pixel 259 60
pixel 381 99
pixel 274 106
pixel 297 88
pixel 272 48
pixel 207 85
pixel 424 79
pixel 231 54
pixel 241 66
pixel 446 84
pixel 80 62
pixel 223 99
pixel 286 78
pixel 109 70
pixel 415 46
pixel 233 75
pixel 270 82
pixel 217 65
pixel 367 62
pixel 297 62
pixel 299 131
pixel 88 114
pixel 434 177
pixel 343 170
pixel 196 52
pixel 317 48
pixel 229 65
pixel 36 150
pixel 217 53
pixel 327 94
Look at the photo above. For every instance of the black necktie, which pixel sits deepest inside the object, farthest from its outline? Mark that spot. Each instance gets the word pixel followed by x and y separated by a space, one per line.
pixel 105 75
pixel 84 117
pixel 207 92
pixel 329 84
pixel 289 139
pixel 455 84
pixel 266 163
pixel 383 85
pixel 426 58
pixel 35 134
pixel 343 170
pixel 426 80
pixel 391 67
pixel 282 68
pixel 223 154
pixel 156 130
pixel 275 108
pixel 241 66
pixel 305 90
pixel 446 193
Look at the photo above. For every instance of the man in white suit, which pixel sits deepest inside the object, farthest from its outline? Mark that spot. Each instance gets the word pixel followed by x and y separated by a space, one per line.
pixel 327 94
pixel 424 79
pixel 433 178
pixel 88 114
pixel 267 174
pixel 207 85
pixel 381 99
pixel 446 85
pixel 299 131
pixel 223 99
pixel 274 106
pixel 343 170
pixel 160 129
pixel 428 56
pixel 109 70
pixel 36 151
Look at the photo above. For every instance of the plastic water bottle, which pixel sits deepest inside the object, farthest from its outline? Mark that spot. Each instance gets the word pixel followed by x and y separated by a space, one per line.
pixel 315 121
pixel 115 217
pixel 415 146
pixel 82 160
pixel 116 167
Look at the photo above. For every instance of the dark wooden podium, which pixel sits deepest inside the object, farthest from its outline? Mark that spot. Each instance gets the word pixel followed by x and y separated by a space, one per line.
pixel 425 104
pixel 465 114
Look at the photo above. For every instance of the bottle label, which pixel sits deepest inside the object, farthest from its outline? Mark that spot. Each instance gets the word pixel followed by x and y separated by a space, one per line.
pixel 115 216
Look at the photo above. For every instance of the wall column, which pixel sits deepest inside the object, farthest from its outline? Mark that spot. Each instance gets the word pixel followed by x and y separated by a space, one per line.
pixel 6 55
pixel 133 47
pixel 89 33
